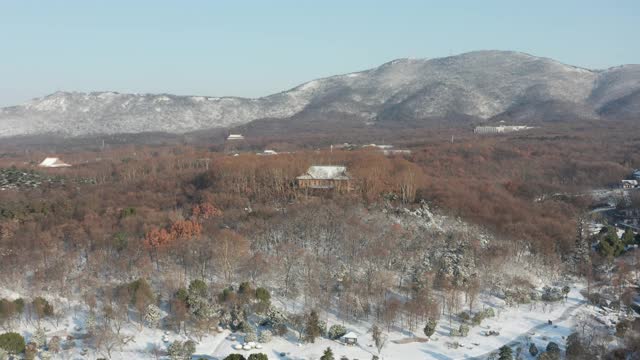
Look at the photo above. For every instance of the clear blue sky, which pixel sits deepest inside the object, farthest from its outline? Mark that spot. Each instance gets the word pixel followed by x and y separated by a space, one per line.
pixel 254 48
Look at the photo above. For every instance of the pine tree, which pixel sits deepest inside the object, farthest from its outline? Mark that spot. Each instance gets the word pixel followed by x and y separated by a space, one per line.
pixel 628 237
pixel 153 315
pixel 175 350
pixel 505 353
pixel 328 355
pixel 312 327
pixel 188 349
pixel 430 327
pixel 610 246
pixel 553 349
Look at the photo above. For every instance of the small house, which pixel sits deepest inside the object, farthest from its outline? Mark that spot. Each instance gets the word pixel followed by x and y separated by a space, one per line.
pixel 629 184
pixel 234 143
pixel 52 162
pixel 350 338
pixel 326 178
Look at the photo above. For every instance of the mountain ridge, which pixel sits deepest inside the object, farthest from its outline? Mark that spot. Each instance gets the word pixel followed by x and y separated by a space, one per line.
pixel 478 86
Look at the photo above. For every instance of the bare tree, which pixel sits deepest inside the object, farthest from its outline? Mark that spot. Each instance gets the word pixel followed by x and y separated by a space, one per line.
pixel 379 338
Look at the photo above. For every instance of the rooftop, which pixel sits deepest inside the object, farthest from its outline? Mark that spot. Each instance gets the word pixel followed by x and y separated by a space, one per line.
pixel 53 162
pixel 325 173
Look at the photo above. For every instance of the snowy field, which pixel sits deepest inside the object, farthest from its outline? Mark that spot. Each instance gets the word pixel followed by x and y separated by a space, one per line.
pixel 516 326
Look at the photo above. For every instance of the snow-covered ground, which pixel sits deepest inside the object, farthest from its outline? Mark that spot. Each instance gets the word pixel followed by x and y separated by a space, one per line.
pixel 514 324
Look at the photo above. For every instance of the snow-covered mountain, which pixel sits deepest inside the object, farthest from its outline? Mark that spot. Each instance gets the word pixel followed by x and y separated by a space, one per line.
pixel 478 85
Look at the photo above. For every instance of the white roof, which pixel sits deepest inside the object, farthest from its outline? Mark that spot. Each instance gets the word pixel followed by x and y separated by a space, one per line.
pixel 53 162
pixel 350 335
pixel 632 182
pixel 325 173
pixel 235 137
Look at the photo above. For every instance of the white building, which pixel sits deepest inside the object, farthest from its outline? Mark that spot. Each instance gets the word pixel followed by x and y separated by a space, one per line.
pixel 53 162
pixel 500 129
pixel 235 137
pixel 629 184
pixel 396 152
pixel 325 177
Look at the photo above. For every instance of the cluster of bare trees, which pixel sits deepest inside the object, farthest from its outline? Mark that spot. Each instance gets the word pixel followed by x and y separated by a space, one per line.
pixel 175 214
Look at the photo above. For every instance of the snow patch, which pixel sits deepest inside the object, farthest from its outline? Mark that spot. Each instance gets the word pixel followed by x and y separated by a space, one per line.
pixel 310 85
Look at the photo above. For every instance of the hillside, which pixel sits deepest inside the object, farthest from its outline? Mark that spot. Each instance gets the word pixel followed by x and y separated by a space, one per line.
pixel 471 87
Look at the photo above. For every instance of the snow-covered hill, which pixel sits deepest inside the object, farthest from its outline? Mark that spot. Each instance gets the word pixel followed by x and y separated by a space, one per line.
pixel 478 85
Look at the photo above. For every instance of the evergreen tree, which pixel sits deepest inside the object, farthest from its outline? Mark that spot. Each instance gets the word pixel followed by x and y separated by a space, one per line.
pixel 175 350
pixel 264 300
pixel 553 350
pixel 235 357
pixel 610 246
pixel 12 342
pixel 336 331
pixel 188 349
pixel 197 297
pixel 198 288
pixel 505 353
pixel 430 327
pixel 312 327
pixel 628 237
pixel 182 294
pixel 328 355
pixel 153 315
pixel 259 356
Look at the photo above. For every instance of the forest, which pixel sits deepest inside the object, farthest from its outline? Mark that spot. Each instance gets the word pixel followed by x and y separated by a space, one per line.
pixel 213 239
